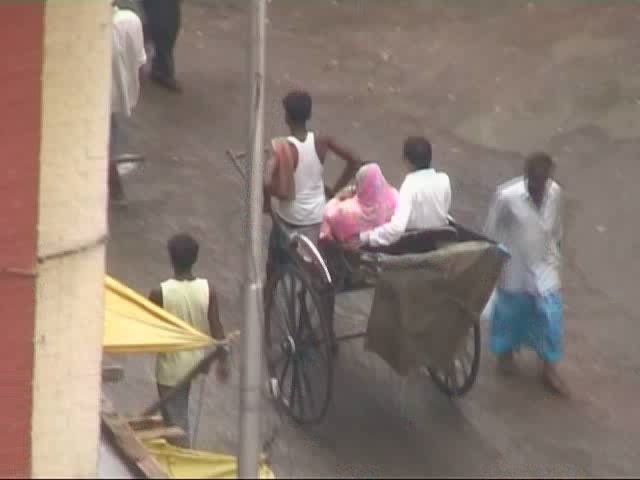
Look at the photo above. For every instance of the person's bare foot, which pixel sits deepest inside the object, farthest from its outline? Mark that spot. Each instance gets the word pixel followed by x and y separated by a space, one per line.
pixel 506 364
pixel 554 382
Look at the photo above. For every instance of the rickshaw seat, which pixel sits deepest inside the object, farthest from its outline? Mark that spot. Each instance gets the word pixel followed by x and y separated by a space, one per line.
pixel 418 241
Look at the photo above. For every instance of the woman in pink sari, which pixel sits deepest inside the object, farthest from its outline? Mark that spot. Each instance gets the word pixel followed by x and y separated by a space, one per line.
pixel 369 204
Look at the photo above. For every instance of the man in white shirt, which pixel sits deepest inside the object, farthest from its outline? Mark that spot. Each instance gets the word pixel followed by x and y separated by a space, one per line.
pixel 424 200
pixel 127 57
pixel 528 311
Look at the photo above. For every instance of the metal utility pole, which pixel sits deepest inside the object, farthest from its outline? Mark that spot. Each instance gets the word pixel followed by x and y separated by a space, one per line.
pixel 250 382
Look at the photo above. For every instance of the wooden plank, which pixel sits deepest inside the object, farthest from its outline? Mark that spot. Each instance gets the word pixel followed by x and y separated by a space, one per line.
pixel 145 423
pixel 128 443
pixel 163 432
pixel 150 464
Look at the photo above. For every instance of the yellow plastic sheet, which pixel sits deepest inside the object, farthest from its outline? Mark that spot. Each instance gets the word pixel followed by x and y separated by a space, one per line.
pixel 184 463
pixel 133 324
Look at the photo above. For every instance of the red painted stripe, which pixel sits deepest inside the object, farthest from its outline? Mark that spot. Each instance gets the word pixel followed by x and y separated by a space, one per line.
pixel 21 40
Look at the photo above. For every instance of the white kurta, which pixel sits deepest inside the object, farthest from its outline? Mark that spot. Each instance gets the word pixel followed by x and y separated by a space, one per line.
pixel 531 235
pixel 128 55
pixel 423 203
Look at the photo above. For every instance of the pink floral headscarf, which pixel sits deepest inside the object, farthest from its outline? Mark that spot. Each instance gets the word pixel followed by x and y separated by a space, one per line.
pixel 373 205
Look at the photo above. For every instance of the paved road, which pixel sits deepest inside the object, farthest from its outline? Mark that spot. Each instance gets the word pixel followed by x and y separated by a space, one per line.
pixel 486 85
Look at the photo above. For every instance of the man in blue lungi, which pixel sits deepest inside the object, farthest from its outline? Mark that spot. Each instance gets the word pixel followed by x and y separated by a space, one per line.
pixel 528 311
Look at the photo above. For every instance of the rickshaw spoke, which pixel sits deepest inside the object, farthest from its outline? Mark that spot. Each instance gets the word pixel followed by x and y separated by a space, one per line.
pixel 291 318
pixel 276 358
pixel 307 385
pixel 451 377
pixel 467 357
pixel 446 378
pixel 285 312
pixel 306 325
pixel 303 319
pixel 464 366
pixel 289 304
pixel 450 382
pixel 278 334
pixel 314 340
pixel 470 346
pixel 294 385
pixel 468 361
pixel 300 390
pixel 455 374
pixel 283 374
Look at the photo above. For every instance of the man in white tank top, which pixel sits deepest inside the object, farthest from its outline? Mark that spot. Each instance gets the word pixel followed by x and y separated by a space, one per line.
pixel 304 209
pixel 194 301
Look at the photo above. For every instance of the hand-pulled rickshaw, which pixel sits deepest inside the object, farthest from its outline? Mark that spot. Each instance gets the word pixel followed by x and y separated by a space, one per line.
pixel 429 290
pixel 448 274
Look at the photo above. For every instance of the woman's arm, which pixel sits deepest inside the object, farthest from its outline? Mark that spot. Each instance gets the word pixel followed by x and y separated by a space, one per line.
pixel 391 232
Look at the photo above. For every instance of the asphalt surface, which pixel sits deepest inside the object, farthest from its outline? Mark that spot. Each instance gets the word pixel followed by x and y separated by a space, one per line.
pixel 487 82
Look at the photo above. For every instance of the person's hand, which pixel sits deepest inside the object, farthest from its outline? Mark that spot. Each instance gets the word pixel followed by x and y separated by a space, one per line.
pixel 353 244
pixel 346 193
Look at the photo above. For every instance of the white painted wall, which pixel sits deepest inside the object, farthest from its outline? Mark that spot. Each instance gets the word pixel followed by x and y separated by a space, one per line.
pixel 72 213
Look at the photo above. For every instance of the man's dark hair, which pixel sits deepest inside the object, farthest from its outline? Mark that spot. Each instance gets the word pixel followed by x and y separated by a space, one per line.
pixel 297 104
pixel 417 150
pixel 183 251
pixel 538 160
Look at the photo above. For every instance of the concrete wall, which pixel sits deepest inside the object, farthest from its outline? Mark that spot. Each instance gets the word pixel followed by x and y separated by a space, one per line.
pixel 72 227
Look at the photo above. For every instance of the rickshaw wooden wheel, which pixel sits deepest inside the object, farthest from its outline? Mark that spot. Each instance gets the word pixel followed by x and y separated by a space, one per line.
pixel 298 346
pixel 458 379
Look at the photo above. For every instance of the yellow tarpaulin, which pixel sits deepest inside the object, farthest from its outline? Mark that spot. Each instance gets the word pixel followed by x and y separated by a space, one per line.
pixel 133 324
pixel 183 463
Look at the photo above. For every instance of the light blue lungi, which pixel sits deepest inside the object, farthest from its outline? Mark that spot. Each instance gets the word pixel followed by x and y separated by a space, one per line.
pixel 522 319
